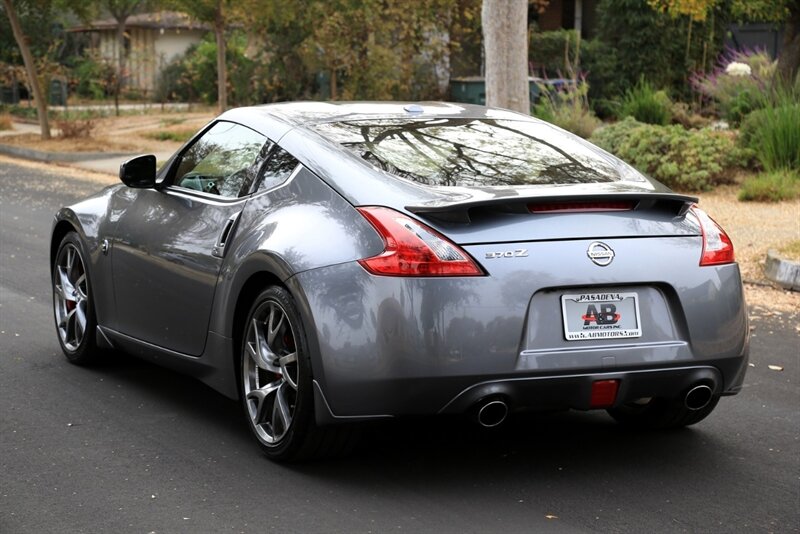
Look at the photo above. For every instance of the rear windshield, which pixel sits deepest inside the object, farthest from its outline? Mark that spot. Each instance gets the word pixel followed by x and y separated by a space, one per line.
pixel 473 152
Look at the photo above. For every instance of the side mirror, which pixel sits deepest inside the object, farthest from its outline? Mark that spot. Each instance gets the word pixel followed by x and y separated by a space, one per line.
pixel 139 172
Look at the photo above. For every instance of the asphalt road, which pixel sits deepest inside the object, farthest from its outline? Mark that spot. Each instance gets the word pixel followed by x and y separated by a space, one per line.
pixel 129 447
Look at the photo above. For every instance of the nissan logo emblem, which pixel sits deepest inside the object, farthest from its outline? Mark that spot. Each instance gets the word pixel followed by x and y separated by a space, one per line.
pixel 600 253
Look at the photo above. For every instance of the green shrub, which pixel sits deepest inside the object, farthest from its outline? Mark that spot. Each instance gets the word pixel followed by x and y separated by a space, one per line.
pixel 93 78
pixel 771 187
pixel 645 104
pixel 777 138
pixel 568 108
pixel 690 160
pixel 554 52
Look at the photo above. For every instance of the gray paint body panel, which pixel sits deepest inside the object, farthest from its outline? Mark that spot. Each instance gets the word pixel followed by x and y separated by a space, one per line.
pixel 393 345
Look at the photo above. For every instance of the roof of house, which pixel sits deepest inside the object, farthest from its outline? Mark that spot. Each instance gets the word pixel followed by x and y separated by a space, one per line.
pixel 168 20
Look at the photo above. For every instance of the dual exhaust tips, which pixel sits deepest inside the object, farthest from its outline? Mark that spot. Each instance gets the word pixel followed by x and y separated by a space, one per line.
pixel 492 412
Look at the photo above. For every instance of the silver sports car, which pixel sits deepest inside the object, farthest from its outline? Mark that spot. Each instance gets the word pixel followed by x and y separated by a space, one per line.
pixel 331 263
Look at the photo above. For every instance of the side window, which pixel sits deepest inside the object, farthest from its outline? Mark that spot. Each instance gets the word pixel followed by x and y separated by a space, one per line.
pixel 224 161
pixel 277 169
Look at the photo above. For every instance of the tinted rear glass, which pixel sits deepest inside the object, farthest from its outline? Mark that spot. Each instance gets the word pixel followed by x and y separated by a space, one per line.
pixel 472 152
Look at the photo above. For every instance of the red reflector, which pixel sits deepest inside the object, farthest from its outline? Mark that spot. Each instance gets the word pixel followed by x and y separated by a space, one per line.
pixel 604 393
pixel 580 206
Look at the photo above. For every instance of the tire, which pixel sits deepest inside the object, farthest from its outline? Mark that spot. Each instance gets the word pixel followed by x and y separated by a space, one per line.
pixel 661 414
pixel 275 384
pixel 73 304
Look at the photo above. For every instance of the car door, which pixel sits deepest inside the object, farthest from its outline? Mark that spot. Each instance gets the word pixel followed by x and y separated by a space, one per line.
pixel 170 241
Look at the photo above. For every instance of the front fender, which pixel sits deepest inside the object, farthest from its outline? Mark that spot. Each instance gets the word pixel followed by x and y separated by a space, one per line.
pixel 91 220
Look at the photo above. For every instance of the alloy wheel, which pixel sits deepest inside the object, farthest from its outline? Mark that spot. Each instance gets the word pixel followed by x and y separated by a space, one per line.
pixel 270 371
pixel 71 297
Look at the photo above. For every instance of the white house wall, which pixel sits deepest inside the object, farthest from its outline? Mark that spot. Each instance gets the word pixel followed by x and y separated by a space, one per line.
pixel 151 50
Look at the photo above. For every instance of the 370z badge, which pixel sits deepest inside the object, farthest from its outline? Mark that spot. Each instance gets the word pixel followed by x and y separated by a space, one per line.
pixel 517 253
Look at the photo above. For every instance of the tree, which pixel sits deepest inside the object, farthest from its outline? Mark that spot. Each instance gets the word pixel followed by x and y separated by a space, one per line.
pixel 30 68
pixel 121 10
pixel 214 12
pixel 505 39
pixel 381 49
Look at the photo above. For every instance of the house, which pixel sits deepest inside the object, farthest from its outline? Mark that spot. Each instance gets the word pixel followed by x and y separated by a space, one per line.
pixel 152 40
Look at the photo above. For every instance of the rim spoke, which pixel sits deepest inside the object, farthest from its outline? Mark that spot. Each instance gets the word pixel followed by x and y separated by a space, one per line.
pixel 70 258
pixel 288 375
pixel 259 397
pixel 80 321
pixel 272 326
pixel 67 289
pixel 281 411
pixel 80 286
pixel 262 352
pixel 69 326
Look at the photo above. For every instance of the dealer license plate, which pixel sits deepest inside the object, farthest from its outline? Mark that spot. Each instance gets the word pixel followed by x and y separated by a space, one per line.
pixel 601 316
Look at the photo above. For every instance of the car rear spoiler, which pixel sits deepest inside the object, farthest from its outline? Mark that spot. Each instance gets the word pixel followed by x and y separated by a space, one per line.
pixel 461 210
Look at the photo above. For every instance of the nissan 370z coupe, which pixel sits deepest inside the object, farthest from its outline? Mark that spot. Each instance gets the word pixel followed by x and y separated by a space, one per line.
pixel 330 263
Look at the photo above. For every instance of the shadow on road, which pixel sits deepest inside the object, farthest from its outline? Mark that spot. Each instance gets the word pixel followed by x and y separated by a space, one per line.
pixel 558 448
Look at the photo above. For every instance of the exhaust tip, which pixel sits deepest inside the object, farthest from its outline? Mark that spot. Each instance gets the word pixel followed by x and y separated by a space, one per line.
pixel 492 413
pixel 698 397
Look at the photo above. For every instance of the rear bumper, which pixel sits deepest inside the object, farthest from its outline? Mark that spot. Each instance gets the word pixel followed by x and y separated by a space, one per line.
pixel 383 347
pixel 536 393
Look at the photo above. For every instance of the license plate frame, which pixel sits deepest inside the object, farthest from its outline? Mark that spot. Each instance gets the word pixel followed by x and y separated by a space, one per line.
pixel 592 316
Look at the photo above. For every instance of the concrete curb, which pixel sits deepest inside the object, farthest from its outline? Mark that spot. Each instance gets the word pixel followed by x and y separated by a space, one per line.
pixel 785 273
pixel 39 155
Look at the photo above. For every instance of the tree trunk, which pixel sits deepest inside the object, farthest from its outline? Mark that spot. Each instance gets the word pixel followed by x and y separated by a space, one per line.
pixel 120 62
pixel 789 60
pixel 30 69
pixel 222 70
pixel 505 41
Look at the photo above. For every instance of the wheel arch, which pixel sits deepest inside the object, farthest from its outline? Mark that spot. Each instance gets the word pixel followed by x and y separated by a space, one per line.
pixel 244 291
pixel 60 229
pixel 244 300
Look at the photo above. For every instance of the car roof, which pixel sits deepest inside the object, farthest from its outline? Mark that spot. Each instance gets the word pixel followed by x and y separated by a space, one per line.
pixel 310 113
pixel 292 125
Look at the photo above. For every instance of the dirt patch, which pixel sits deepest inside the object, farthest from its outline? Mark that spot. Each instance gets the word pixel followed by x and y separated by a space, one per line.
pixel 127 133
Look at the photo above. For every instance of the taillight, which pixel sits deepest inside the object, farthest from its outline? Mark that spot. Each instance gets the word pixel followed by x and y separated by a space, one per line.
pixel 413 249
pixel 717 246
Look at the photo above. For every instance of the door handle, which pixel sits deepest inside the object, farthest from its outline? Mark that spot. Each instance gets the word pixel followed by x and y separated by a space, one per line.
pixel 225 235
